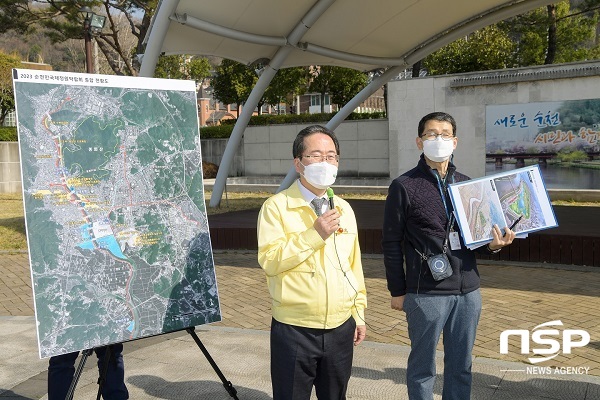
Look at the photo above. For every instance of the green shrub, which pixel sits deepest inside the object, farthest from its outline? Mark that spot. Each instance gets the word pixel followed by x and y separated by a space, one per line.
pixel 373 115
pixel 322 118
pixel 280 119
pixel 571 156
pixel 8 134
pixel 223 131
pixel 216 132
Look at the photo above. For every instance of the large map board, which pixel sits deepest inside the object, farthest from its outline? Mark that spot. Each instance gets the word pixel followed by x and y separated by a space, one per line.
pixel 116 225
pixel 501 199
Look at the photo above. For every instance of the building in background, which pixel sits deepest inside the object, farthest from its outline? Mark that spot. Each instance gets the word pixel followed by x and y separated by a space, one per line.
pixel 211 111
pixel 311 103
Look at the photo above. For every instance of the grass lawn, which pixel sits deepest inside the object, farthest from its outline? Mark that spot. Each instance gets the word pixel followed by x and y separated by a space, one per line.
pixel 248 200
pixel 12 222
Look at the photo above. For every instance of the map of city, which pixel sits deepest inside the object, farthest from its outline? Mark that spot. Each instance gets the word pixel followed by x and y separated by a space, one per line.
pixel 482 209
pixel 502 199
pixel 118 236
pixel 519 199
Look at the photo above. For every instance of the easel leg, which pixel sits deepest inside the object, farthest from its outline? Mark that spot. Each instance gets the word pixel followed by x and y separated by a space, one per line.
pixel 106 362
pixel 227 384
pixel 84 355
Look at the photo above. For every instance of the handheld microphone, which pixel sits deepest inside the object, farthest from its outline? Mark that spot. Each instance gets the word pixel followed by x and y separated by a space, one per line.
pixel 330 196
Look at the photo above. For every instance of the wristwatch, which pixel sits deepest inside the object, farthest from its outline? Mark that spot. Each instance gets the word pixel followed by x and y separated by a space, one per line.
pixel 493 251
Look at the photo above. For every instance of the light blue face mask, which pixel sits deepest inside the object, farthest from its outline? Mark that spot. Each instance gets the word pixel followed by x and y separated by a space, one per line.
pixel 320 175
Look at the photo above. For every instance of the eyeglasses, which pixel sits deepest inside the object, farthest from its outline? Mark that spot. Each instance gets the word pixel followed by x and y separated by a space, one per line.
pixel 316 158
pixel 434 135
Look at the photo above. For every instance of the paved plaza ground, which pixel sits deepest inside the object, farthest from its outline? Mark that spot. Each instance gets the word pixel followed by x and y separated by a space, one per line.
pixel 172 367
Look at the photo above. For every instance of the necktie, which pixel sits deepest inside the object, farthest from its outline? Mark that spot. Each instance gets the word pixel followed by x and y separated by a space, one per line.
pixel 317 204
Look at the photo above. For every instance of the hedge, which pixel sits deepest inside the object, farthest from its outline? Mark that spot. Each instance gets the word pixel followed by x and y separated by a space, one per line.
pixel 224 130
pixel 8 133
pixel 274 119
pixel 216 132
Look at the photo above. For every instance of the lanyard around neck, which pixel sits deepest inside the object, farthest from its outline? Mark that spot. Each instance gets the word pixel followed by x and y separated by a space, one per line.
pixel 442 193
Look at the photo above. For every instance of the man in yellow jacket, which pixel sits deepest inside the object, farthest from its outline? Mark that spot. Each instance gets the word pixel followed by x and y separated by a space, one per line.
pixel 308 248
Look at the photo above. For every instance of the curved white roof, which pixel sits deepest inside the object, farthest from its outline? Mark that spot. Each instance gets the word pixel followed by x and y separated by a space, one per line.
pixel 360 34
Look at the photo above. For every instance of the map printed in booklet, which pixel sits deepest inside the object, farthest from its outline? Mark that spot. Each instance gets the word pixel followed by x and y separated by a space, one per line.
pixel 514 196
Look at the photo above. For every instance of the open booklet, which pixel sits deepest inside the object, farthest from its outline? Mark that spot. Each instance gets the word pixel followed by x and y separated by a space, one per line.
pixel 514 196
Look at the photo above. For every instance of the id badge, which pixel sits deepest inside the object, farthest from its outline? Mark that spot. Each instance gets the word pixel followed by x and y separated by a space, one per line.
pixel 454 241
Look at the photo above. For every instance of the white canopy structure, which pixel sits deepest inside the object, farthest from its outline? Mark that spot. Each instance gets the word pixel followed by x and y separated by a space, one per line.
pixel 364 35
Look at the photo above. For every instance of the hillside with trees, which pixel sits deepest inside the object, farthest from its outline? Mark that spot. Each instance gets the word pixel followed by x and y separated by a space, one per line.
pixel 566 31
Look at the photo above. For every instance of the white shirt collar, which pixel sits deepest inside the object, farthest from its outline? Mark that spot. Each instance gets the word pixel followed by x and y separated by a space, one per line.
pixel 308 195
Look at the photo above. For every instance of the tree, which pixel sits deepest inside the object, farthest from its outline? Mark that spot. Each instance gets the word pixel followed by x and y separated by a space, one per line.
pixel 36 47
pixel 320 82
pixel 7 98
pixel 557 33
pixel 485 49
pixel 60 20
pixel 287 81
pixel 346 84
pixel 233 82
pixel 181 66
pixel 14 14
pixel 552 38
pixel 342 83
pixel 169 67
pixel 198 69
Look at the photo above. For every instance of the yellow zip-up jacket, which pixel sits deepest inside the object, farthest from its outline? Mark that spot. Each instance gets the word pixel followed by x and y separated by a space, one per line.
pixel 313 283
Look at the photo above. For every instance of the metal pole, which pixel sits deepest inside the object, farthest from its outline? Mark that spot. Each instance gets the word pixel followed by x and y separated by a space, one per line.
pixel 157 35
pixel 87 34
pixel 263 82
pixel 226 384
pixel 96 59
pixel 334 122
pixel 84 356
pixel 214 108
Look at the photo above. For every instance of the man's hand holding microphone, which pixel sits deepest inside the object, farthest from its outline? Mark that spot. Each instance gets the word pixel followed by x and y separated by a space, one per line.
pixel 329 222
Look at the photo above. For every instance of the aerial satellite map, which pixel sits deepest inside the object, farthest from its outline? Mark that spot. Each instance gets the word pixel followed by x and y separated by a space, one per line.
pixel 116 225
pixel 502 199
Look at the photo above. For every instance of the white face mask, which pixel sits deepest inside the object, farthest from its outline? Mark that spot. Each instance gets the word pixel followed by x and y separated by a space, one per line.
pixel 320 175
pixel 438 150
